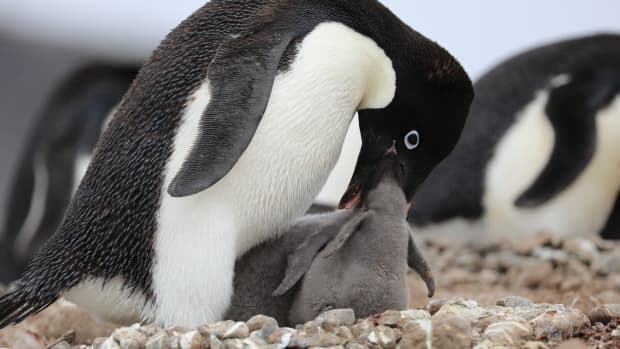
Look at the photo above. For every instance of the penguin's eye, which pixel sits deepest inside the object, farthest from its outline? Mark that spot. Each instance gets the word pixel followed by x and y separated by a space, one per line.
pixel 412 139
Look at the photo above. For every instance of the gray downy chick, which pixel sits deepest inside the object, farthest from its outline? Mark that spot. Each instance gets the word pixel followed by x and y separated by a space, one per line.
pixel 364 266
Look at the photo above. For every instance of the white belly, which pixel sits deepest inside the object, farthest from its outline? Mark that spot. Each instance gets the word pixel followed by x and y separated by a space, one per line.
pixel 275 180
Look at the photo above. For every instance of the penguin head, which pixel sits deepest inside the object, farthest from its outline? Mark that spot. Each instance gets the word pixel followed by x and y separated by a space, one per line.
pixel 385 183
pixel 425 120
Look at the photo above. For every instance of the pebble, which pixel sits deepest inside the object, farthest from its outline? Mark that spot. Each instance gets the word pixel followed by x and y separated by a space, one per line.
pixel 257 322
pixel 604 313
pixel 451 331
pixel 584 249
pixel 337 317
pixel 191 340
pixel 217 329
pixel 514 301
pixel 129 337
pixel 384 336
pixel 237 330
pixel 159 340
pixel 508 333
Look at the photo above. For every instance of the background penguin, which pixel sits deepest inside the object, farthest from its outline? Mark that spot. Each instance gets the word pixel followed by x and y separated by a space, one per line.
pixel 228 132
pixel 540 150
pixel 54 159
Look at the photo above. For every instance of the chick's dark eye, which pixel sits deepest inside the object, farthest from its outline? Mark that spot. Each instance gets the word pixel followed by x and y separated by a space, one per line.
pixel 412 139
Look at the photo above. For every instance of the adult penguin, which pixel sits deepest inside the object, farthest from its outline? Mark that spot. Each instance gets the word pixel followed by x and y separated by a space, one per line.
pixel 540 150
pixel 54 159
pixel 228 132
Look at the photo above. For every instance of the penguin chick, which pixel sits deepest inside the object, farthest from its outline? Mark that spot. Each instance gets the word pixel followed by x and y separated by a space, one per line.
pixel 364 266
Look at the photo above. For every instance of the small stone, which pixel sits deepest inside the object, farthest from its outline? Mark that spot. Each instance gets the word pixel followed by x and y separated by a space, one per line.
pixel 215 342
pixel 217 328
pixel 551 255
pixel 383 336
pixel 338 316
pixel 417 334
pixel 191 340
pixel 534 345
pixel 110 343
pixel 362 329
pixel 389 318
pixel 514 301
pixel 129 338
pixel 238 330
pixel 415 314
pixel 558 324
pixel 353 345
pixel 457 276
pixel 345 332
pixel 61 345
pixel 604 313
pixel 281 335
pixel 509 333
pixel 582 248
pixel 606 264
pixel 159 340
pixel 234 343
pixel 450 331
pixel 257 322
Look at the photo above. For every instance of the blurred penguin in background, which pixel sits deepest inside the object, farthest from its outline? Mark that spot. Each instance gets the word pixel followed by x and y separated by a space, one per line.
pixel 540 151
pixel 54 158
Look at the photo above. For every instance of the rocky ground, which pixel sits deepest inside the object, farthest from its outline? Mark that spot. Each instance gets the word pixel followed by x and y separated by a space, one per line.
pixel 539 292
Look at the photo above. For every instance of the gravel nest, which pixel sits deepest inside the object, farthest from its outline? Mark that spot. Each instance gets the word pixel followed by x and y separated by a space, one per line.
pixel 540 292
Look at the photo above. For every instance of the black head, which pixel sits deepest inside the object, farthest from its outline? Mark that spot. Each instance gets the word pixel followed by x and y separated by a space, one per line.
pixel 425 118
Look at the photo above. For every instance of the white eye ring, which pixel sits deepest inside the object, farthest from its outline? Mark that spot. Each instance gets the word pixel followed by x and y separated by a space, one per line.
pixel 408 142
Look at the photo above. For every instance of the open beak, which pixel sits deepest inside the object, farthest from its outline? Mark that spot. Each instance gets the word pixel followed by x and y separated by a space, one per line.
pixel 351 197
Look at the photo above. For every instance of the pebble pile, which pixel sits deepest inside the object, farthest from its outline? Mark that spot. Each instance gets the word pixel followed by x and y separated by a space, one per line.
pixel 470 311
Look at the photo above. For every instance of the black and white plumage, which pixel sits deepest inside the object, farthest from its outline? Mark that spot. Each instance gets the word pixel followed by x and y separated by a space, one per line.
pixel 539 151
pixel 228 132
pixel 54 159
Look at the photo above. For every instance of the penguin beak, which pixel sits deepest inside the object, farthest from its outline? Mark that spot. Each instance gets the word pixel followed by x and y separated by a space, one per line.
pixel 351 197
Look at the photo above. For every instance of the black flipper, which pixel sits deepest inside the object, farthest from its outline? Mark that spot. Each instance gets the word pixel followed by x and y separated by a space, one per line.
pixel 416 261
pixel 571 109
pixel 241 76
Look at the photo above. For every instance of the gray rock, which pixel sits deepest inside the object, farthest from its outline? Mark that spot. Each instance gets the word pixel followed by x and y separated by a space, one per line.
pixel 159 340
pixel 582 248
pixel 606 264
pixel 417 334
pixel 257 322
pixel 215 342
pixel 217 329
pixel 451 331
pixel 130 337
pixel 551 255
pixel 558 324
pixel 535 273
pixel 389 318
pixel 61 345
pixel 604 313
pixel 508 333
pixel 384 336
pixel 338 317
pixel 110 343
pixel 191 340
pixel 237 330
pixel 514 301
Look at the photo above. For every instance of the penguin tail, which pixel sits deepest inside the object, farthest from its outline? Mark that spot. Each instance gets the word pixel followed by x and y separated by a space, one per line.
pixel 18 304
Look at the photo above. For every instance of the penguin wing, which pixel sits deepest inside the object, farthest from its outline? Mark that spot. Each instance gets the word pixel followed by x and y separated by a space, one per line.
pixel 571 109
pixel 300 260
pixel 241 77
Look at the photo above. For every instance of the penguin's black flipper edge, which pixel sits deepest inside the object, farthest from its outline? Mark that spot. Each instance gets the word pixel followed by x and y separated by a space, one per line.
pixel 241 77
pixel 571 109
pixel 15 306
pixel 611 230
